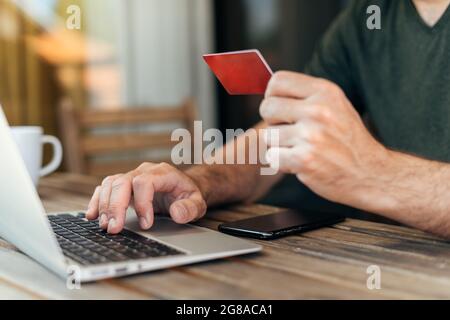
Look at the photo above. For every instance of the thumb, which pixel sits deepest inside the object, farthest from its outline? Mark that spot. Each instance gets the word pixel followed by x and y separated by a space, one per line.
pixel 187 210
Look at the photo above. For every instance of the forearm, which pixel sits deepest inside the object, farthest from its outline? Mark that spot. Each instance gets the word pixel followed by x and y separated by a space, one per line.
pixel 229 183
pixel 410 190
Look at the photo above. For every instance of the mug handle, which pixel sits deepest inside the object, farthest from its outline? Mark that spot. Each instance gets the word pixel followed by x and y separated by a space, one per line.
pixel 57 155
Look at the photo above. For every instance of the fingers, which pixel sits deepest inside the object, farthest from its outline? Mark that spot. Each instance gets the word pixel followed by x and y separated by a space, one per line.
pixel 290 160
pixel 294 85
pixel 275 110
pixel 110 201
pixel 292 135
pixel 92 211
pixel 103 202
pixel 143 192
pixel 155 178
pixel 119 201
pixel 188 204
pixel 188 210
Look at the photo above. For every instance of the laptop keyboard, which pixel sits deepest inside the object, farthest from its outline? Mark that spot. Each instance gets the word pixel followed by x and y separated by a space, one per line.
pixel 86 243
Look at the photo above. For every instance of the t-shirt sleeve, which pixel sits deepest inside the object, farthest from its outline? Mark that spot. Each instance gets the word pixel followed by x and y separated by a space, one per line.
pixel 332 57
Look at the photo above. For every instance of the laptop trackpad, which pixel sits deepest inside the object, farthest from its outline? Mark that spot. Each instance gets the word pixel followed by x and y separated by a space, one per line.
pixel 190 238
pixel 162 227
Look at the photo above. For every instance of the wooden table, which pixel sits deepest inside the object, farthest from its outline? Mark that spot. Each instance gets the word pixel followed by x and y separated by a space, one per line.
pixel 330 263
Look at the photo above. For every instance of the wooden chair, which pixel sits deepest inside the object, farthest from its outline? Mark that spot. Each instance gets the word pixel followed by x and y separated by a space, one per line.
pixel 83 146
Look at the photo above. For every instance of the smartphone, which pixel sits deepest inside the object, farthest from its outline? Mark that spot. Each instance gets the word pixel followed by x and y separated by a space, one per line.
pixel 280 224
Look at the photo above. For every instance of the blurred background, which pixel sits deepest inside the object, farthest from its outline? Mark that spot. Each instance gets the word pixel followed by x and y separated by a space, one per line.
pixel 110 78
pixel 145 52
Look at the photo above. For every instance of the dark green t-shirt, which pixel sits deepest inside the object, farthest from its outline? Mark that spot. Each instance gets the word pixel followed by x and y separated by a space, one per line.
pixel 399 75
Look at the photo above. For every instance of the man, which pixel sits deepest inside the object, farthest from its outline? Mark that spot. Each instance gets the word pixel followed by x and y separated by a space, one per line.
pixel 399 76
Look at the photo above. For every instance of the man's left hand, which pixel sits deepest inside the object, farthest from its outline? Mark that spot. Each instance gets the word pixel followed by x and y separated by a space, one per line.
pixel 322 138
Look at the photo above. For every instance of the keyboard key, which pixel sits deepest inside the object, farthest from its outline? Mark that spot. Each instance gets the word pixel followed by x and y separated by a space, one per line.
pixel 113 245
pixel 84 233
pixel 134 236
pixel 117 257
pixel 136 255
pixel 114 237
pixel 76 258
pixel 55 218
pixel 98 259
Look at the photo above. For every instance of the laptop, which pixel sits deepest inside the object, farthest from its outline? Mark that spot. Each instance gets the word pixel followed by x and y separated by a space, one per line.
pixel 69 245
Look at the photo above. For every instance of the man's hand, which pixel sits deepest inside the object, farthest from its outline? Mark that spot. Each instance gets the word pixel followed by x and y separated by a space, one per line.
pixel 322 138
pixel 151 188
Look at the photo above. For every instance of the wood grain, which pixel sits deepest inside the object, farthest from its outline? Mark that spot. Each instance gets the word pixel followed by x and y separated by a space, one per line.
pixel 105 168
pixel 117 143
pixel 329 263
pixel 129 115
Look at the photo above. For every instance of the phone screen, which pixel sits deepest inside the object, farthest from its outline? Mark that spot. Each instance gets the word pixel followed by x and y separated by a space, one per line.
pixel 280 224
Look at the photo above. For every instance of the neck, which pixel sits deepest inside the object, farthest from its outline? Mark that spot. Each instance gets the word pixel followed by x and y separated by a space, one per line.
pixel 431 10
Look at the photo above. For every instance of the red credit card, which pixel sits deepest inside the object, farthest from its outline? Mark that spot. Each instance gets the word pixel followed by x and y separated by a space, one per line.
pixel 240 72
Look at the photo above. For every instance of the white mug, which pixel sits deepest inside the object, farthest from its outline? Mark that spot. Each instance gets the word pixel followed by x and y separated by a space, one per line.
pixel 30 141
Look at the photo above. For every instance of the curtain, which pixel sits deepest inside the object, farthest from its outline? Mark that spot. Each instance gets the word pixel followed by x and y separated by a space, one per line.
pixel 157 46
pixel 28 90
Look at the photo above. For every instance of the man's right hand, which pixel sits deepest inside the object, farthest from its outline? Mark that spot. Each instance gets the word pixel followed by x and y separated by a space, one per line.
pixel 151 188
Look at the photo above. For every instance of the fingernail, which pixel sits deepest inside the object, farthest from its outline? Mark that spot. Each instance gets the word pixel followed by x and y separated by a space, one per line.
pixel 103 221
pixel 143 222
pixel 89 214
pixel 181 212
pixel 111 224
